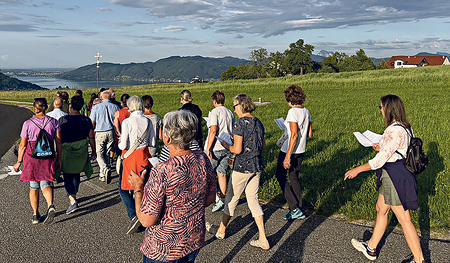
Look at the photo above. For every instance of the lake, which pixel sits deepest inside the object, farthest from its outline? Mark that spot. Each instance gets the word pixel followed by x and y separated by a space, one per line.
pixel 52 83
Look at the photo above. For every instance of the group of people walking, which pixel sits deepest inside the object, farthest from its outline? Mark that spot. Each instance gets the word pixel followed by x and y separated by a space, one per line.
pixel 169 198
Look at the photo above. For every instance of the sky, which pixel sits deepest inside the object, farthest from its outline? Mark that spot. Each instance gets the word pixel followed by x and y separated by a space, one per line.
pixel 68 34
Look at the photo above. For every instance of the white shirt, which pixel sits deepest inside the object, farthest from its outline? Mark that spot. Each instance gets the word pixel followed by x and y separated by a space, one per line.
pixel 302 117
pixel 132 129
pixel 56 113
pixel 223 118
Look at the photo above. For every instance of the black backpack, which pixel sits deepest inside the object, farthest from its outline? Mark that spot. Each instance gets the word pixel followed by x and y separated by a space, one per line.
pixel 43 148
pixel 415 160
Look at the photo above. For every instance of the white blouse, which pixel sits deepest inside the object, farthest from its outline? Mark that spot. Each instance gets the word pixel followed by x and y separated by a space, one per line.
pixel 132 129
pixel 394 138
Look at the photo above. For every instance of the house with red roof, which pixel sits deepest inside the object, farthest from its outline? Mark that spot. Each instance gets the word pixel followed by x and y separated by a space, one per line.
pixel 417 61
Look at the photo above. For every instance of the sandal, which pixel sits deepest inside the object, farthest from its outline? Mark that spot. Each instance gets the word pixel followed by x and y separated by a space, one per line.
pixel 212 229
pixel 257 243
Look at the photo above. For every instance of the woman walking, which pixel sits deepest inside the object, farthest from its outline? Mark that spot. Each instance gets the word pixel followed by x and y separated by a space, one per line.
pixel 249 142
pixel 298 127
pixel 172 202
pixel 137 135
pixel 39 172
pixel 397 186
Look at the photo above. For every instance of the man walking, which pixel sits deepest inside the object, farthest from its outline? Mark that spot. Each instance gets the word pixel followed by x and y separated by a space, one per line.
pixel 57 113
pixel 221 119
pixel 102 117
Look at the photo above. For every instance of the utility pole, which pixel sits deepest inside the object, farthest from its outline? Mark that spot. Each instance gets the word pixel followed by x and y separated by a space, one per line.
pixel 98 56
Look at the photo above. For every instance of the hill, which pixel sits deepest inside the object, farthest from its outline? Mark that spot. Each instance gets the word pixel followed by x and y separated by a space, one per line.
pixel 9 83
pixel 171 69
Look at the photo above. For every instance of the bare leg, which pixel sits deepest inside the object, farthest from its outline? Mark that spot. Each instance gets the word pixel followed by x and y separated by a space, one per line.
pixel 224 223
pixel 222 179
pixel 409 231
pixel 48 194
pixel 34 200
pixel 259 220
pixel 381 222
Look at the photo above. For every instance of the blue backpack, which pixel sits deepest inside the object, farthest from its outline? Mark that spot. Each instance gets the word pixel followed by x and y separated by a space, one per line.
pixel 44 148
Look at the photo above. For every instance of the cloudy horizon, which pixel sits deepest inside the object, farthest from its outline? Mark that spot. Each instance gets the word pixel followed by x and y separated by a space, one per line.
pixel 67 34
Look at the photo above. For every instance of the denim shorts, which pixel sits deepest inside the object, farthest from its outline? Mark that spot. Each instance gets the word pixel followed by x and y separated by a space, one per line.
pixel 220 161
pixel 36 185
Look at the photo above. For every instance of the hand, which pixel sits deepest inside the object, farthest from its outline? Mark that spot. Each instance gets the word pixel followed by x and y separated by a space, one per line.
pixel 287 162
pixel 136 181
pixel 57 165
pixel 16 167
pixel 376 146
pixel 351 173
pixel 209 154
pixel 93 156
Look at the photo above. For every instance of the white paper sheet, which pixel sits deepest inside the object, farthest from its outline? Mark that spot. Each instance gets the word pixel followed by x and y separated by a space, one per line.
pixel 367 138
pixel 280 123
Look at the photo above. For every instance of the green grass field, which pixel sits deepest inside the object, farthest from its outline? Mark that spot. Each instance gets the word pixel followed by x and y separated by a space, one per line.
pixel 339 104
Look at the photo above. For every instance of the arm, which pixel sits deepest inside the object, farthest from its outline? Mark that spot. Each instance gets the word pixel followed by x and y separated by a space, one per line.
pixel 211 136
pixel 22 148
pixel 160 133
pixel 92 142
pixel 310 134
pixel 137 183
pixel 58 150
pixel 123 142
pixel 116 122
pixel 293 126
pixel 237 146
pixel 355 171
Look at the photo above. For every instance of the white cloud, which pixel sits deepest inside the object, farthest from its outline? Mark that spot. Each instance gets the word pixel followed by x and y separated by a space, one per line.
pixel 4 57
pixel 270 18
pixel 104 9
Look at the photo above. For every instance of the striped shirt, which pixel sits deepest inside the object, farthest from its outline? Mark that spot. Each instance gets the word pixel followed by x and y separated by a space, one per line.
pixel 165 153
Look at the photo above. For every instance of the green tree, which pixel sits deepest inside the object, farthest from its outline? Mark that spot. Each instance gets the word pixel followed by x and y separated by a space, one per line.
pixel 333 63
pixel 259 61
pixel 364 62
pixel 274 67
pixel 298 58
pixel 382 65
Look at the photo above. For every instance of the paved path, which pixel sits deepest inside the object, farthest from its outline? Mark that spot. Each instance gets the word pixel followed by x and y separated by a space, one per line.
pixel 96 232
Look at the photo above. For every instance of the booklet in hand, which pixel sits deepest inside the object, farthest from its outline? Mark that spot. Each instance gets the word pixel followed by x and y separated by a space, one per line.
pixel 223 136
pixel 280 123
pixel 367 138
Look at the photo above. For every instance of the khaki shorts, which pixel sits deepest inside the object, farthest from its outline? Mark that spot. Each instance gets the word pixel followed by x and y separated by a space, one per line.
pixel 388 190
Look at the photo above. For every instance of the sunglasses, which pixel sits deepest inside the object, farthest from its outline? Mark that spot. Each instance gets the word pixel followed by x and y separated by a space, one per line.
pixel 379 106
pixel 234 106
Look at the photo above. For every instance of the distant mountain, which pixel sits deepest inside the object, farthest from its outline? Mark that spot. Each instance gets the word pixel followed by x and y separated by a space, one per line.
pixel 171 69
pixel 10 83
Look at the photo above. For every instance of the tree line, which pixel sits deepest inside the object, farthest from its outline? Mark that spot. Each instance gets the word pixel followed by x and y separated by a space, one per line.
pixel 297 61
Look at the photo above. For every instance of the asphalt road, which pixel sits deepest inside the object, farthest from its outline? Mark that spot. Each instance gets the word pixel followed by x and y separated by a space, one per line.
pixel 96 232
pixel 11 120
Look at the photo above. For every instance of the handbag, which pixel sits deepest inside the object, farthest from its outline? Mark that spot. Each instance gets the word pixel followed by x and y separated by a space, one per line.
pixel 282 139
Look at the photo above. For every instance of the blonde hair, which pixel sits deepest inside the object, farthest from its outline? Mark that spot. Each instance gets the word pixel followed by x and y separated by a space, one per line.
pixel 245 102
pixel 186 95
pixel 40 104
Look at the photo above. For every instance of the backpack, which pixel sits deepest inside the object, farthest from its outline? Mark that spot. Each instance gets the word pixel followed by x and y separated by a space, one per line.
pixel 43 148
pixel 415 160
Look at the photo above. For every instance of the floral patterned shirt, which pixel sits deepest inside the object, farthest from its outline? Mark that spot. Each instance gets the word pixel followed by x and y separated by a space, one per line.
pixel 175 193
pixel 395 138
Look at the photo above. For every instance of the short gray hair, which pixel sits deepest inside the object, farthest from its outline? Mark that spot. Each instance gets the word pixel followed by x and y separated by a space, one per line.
pixel 181 127
pixel 135 103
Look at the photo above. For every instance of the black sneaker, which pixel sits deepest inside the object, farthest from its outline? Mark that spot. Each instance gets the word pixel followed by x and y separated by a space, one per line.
pixel 50 214
pixel 135 224
pixel 364 248
pixel 36 219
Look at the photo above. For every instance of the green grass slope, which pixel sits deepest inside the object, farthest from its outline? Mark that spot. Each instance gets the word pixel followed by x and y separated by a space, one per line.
pixel 339 104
